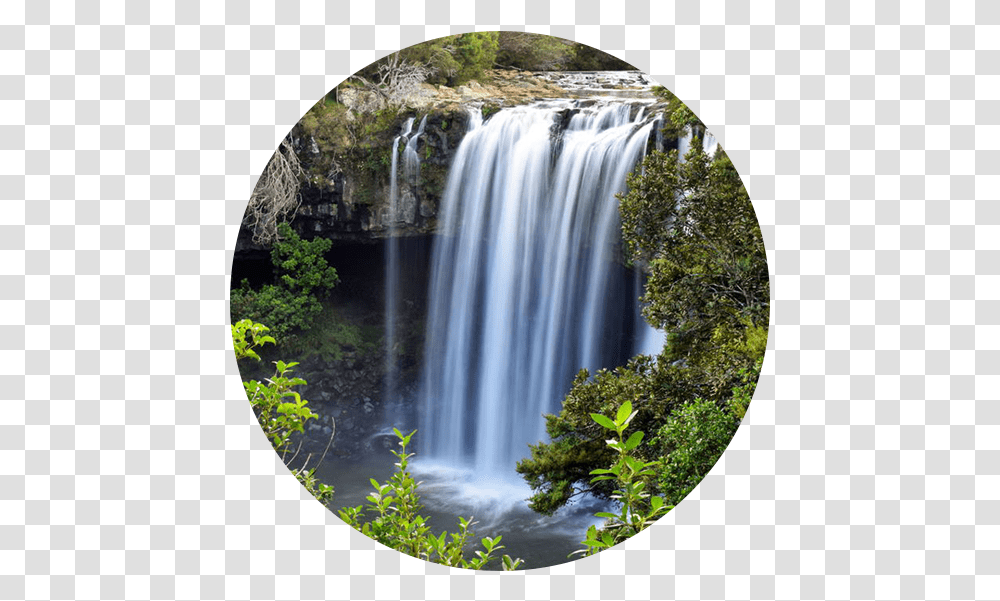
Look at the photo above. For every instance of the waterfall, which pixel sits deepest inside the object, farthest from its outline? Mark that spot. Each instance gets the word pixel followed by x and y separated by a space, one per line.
pixel 649 340
pixel 684 144
pixel 392 270
pixel 411 160
pixel 526 284
pixel 710 144
pixel 393 179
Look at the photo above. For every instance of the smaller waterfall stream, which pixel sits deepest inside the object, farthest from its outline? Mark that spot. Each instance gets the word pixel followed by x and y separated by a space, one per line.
pixel 392 269
pixel 411 160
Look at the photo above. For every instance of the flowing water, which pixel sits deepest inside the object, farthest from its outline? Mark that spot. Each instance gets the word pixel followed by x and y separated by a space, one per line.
pixel 523 277
pixel 392 263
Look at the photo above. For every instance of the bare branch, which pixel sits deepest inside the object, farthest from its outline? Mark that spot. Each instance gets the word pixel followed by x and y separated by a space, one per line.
pixel 276 196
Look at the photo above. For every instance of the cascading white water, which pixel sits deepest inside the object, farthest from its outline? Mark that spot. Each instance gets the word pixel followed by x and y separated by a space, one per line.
pixel 649 340
pixel 393 177
pixel 411 160
pixel 710 144
pixel 392 268
pixel 521 276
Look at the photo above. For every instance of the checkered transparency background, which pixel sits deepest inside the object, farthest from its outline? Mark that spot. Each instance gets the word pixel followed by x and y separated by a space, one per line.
pixel 131 136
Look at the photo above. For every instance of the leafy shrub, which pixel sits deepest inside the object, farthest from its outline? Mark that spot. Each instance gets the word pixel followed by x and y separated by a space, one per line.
pixel 695 436
pixel 302 272
pixel 533 52
pixel 588 58
pixel 637 509
pixel 280 410
pixel 396 523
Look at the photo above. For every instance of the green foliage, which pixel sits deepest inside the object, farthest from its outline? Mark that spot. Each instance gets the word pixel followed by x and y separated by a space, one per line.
pixel 433 178
pixel 301 265
pixel 331 126
pixel 588 58
pixel 475 53
pixel 578 443
pixel 453 60
pixel 381 122
pixel 533 52
pixel 375 164
pixel 693 439
pixel 630 475
pixel 334 334
pixel 302 273
pixel 355 142
pixel 280 410
pixel 248 336
pixel 695 436
pixel 392 518
pixel 489 109
pixel 681 118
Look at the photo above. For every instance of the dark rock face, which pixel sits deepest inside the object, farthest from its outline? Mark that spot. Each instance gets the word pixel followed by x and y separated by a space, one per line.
pixel 347 397
pixel 349 207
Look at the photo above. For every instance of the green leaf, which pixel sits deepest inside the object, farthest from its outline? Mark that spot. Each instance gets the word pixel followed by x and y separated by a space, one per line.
pixel 623 413
pixel 594 543
pixel 603 421
pixel 634 440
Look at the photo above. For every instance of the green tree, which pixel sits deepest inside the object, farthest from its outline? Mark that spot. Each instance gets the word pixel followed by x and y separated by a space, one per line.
pixel 475 53
pixel 302 274
pixel 588 58
pixel 533 52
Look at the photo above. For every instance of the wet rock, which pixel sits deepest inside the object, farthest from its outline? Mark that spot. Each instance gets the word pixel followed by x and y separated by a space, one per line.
pixel 408 207
pixel 427 209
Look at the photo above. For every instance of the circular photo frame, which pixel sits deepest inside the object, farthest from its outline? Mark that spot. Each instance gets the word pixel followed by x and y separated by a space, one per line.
pixel 500 301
